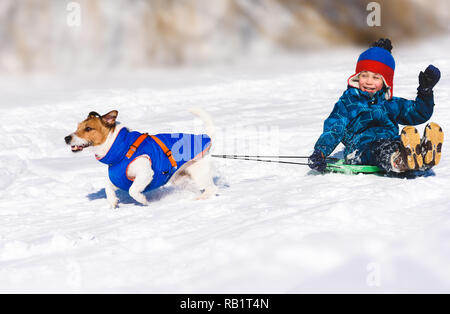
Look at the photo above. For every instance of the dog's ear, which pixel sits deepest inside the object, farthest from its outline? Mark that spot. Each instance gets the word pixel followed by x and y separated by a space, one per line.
pixel 110 118
pixel 93 114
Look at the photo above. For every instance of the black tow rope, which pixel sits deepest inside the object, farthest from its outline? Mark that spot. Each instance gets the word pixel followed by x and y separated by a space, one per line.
pixel 257 158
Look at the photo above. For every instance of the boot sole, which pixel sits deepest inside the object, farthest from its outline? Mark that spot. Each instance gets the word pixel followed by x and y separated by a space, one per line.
pixel 410 139
pixel 433 140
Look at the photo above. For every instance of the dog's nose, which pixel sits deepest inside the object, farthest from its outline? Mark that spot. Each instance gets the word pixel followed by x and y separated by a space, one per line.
pixel 68 139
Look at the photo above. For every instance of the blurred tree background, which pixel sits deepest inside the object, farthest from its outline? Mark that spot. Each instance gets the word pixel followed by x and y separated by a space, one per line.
pixel 129 34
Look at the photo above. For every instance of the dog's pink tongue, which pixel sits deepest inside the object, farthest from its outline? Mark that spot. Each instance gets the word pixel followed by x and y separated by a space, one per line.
pixel 77 148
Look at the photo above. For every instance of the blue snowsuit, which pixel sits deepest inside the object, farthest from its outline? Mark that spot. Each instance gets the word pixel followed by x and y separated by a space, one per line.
pixel 360 119
pixel 184 147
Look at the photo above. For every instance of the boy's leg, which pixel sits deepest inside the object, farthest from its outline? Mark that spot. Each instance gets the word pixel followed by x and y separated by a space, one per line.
pixel 385 153
pixel 404 154
pixel 378 153
pixel 410 152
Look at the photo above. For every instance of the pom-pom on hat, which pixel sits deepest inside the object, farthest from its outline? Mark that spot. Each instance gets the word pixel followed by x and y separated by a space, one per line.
pixel 377 59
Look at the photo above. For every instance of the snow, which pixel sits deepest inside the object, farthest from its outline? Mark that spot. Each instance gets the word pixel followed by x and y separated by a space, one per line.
pixel 272 229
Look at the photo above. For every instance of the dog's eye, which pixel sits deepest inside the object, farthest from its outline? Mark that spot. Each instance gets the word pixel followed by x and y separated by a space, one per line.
pixel 87 129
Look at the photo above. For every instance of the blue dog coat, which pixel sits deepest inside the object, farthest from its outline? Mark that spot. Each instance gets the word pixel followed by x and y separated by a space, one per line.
pixel 184 147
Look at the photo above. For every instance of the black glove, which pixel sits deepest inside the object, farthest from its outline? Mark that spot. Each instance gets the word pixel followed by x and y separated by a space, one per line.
pixel 317 161
pixel 427 80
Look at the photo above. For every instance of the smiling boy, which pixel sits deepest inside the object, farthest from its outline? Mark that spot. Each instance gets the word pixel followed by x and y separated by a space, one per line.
pixel 370 82
pixel 366 119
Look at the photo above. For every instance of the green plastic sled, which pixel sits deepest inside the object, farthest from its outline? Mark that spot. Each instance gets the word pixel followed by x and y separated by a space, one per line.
pixel 340 167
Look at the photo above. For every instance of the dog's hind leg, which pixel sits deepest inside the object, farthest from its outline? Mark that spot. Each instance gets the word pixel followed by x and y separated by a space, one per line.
pixel 141 170
pixel 200 173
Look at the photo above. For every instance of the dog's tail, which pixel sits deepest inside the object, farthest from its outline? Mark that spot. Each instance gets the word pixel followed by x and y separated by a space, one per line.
pixel 207 120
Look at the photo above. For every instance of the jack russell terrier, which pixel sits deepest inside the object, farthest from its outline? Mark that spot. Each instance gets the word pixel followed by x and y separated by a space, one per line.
pixel 139 162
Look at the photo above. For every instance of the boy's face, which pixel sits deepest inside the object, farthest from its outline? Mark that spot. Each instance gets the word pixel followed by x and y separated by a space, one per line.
pixel 370 82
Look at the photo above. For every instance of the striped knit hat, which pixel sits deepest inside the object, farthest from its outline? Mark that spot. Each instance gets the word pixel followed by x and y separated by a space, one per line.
pixel 377 59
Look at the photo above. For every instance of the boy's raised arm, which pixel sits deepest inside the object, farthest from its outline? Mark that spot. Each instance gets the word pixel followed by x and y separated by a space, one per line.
pixel 414 112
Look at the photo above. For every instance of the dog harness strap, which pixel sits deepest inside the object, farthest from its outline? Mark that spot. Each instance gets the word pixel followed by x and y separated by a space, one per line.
pixel 136 144
pixel 166 151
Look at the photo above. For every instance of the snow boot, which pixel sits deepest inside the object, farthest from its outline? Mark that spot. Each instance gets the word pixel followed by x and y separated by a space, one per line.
pixel 411 146
pixel 432 140
pixel 409 157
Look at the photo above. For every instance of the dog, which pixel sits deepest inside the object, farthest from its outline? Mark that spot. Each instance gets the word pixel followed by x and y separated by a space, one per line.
pixel 138 162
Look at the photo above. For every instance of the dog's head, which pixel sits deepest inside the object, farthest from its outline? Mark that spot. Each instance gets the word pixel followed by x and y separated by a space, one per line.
pixel 93 131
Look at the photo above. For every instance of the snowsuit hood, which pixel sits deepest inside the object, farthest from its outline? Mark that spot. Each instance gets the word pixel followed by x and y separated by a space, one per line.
pixel 377 60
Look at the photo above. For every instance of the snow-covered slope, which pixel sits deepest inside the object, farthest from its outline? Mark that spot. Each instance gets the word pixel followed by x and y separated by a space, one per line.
pixel 272 229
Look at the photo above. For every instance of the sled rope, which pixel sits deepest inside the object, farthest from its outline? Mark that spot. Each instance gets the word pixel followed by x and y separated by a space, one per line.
pixel 273 156
pixel 261 156
pixel 256 158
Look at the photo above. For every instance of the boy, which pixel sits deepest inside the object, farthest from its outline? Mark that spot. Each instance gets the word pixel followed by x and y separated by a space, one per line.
pixel 366 118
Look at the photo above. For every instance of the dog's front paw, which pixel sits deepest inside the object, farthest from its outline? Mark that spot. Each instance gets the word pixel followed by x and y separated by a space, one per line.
pixel 113 202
